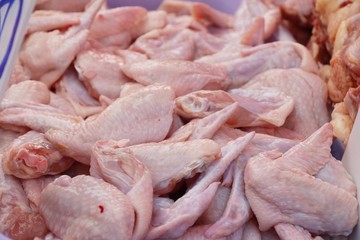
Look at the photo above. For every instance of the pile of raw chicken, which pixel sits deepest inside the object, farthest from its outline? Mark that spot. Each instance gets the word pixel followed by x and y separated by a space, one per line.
pixel 180 123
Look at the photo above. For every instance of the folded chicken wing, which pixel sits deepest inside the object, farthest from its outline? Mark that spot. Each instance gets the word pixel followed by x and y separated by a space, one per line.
pixel 281 188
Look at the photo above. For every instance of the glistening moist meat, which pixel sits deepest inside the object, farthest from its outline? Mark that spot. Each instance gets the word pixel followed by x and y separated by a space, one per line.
pixel 179 123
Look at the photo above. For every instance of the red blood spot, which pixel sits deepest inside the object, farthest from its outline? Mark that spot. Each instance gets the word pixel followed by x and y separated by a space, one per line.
pixel 101 207
pixel 345 3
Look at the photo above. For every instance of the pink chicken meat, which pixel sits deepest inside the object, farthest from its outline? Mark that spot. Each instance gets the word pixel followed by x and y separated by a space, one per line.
pixel 184 122
pixel 172 219
pixel 308 91
pixel 243 63
pixel 101 73
pixel 47 20
pixel 256 107
pixel 104 212
pixel 122 169
pixel 58 45
pixel 32 155
pixel 168 162
pixel 281 188
pixel 18 219
pixel 183 76
pixel 113 27
pixel 144 116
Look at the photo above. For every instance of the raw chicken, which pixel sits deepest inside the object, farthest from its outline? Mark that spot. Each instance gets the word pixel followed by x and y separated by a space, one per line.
pixel 18 220
pixel 281 132
pixel 112 27
pixel 144 116
pixel 26 92
pixel 177 41
pixel 169 43
pixel 176 125
pixel 32 156
pixel 243 63
pixel 103 212
pixel 131 57
pixel 124 123
pixel 33 95
pixel 48 47
pixel 18 74
pixel 236 235
pixel 237 211
pixel 129 88
pixel 6 138
pixel 296 10
pixel 283 34
pixel 208 15
pixel 131 23
pixel 45 20
pixel 251 231
pixel 289 231
pixel 207 44
pixel 256 107
pixel 199 11
pixel 308 91
pixel 268 142
pixel 273 180
pixel 197 233
pixel 71 89
pixel 183 76
pixel 153 20
pixel 62 104
pixel 216 207
pixel 101 73
pixel 171 219
pixel 171 162
pixel 335 173
pixel 168 162
pixel 122 169
pixel 225 134
pixel 34 187
pixel 65 5
pixel 251 10
pixel 254 35
pixel 204 127
pixel 37 117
